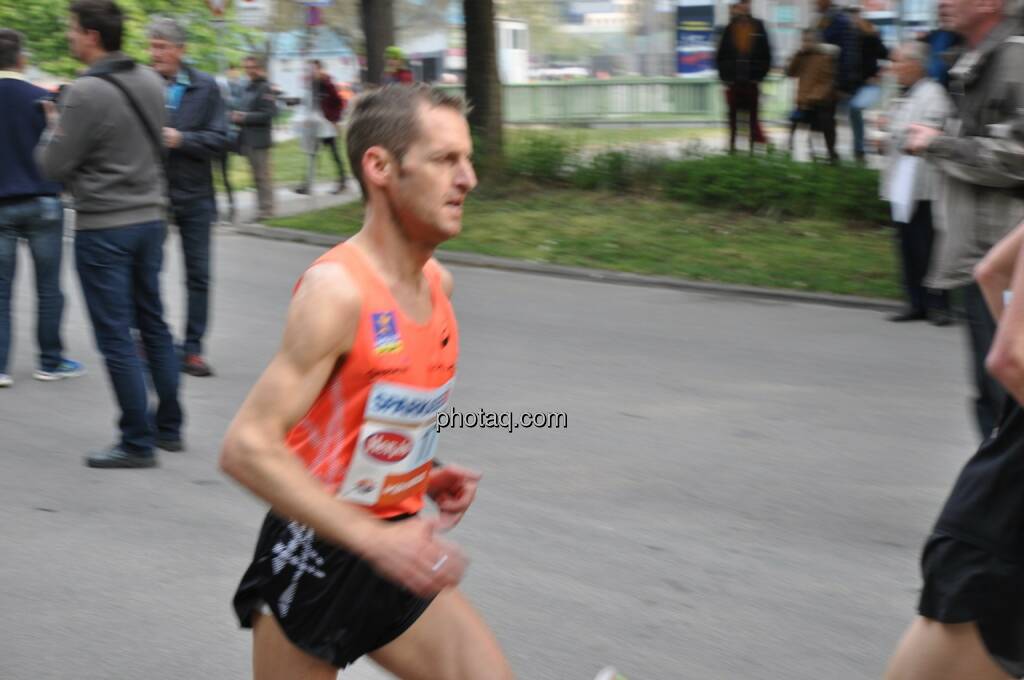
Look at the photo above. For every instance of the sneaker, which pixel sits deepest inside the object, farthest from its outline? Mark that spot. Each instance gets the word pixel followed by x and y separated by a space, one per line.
pixel 116 457
pixel 609 673
pixel 5 380
pixel 67 368
pixel 195 365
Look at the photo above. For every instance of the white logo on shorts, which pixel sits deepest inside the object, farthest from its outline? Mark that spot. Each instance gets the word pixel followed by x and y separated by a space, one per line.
pixel 298 552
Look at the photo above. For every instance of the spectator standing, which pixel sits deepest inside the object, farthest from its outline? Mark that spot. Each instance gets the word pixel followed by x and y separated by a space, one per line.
pixel 945 47
pixel 329 104
pixel 30 210
pixel 837 28
pixel 868 92
pixel 911 185
pixel 814 68
pixel 980 155
pixel 196 135
pixel 231 87
pixel 106 144
pixel 396 67
pixel 743 59
pixel 254 117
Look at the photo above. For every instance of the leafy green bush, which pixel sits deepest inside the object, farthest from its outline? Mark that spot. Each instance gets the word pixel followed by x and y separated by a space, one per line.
pixel 540 158
pixel 770 185
pixel 608 171
pixel 775 184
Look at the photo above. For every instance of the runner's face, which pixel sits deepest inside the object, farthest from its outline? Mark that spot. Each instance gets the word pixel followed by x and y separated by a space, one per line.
pixel 434 177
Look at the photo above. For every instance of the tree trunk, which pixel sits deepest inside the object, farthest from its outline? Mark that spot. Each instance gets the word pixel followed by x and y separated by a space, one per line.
pixel 379 32
pixel 483 87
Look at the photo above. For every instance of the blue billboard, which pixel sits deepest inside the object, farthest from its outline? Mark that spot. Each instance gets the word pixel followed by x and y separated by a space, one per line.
pixel 695 47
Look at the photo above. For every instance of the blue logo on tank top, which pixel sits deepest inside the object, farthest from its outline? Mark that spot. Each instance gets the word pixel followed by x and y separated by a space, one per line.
pixel 385 333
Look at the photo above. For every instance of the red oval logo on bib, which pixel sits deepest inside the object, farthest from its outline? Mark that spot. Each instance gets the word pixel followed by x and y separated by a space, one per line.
pixel 388 447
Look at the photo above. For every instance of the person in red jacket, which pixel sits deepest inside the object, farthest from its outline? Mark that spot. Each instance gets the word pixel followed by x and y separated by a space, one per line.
pixel 396 67
pixel 331 105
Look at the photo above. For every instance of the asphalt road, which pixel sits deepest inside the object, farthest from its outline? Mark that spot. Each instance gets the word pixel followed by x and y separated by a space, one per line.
pixel 741 491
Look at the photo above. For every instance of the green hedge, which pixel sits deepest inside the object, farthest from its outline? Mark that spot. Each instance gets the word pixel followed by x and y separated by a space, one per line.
pixel 771 184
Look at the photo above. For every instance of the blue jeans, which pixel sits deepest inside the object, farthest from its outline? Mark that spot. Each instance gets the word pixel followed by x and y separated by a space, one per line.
pixel 194 219
pixel 866 97
pixel 40 221
pixel 120 273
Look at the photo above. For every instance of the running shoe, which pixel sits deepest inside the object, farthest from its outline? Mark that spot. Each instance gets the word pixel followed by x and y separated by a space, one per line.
pixel 67 368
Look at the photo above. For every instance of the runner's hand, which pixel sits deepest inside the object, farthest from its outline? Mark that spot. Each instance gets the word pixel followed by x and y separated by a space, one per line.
pixel 453 488
pixel 409 554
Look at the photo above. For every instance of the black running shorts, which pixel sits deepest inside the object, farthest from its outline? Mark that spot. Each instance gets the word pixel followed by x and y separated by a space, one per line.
pixel 965 583
pixel 329 602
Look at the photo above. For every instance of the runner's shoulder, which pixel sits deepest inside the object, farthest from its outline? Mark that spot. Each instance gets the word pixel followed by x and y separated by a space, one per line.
pixel 447 281
pixel 328 285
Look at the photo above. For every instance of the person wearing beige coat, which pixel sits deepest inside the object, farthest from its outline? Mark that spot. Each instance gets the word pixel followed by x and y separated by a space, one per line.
pixel 814 67
pixel 911 185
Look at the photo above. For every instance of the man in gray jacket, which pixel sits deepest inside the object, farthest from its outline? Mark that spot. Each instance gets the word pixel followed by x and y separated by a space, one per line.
pixel 255 118
pixel 105 145
pixel 981 158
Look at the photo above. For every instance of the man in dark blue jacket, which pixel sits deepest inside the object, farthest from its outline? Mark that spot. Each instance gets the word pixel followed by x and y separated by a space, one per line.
pixel 30 209
pixel 837 28
pixel 196 135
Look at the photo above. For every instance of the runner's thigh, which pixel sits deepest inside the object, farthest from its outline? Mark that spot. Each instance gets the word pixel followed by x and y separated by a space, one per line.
pixel 274 657
pixel 940 651
pixel 450 641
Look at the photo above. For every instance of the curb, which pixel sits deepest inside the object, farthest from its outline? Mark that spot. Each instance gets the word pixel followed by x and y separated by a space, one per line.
pixel 586 274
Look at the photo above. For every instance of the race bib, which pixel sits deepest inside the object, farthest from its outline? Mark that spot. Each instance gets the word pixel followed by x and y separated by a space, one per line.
pixel 396 444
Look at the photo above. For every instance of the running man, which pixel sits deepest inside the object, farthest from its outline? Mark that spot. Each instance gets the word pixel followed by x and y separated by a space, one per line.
pixel 337 434
pixel 972 615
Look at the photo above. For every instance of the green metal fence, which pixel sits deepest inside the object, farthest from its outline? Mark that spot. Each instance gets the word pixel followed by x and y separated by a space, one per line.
pixel 632 100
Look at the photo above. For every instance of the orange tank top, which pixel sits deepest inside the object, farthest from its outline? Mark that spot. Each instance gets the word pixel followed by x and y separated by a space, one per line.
pixel 370 435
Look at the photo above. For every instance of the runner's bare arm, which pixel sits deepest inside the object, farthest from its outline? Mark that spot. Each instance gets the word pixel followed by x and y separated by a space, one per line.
pixel 1005 360
pixel 321 327
pixel 995 271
